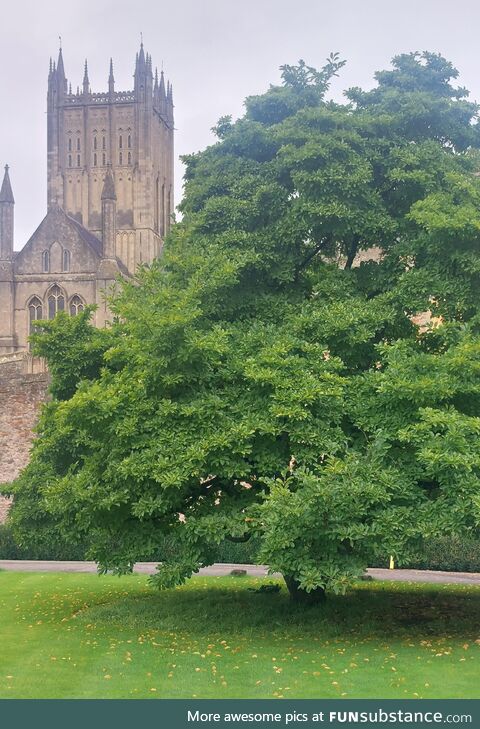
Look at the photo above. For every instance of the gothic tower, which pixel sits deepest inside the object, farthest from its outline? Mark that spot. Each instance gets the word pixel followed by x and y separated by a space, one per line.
pixel 129 133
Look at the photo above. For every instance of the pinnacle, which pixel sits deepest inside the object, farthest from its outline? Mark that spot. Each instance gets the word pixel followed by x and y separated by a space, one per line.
pixel 108 192
pixel 60 68
pixel 86 83
pixel 162 84
pixel 6 194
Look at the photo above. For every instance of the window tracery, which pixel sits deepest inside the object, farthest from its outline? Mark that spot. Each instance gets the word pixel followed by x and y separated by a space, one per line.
pixel 76 305
pixel 35 312
pixel 56 301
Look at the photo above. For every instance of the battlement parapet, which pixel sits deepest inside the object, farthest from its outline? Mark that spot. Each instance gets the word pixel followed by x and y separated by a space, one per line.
pixel 21 363
pixel 118 97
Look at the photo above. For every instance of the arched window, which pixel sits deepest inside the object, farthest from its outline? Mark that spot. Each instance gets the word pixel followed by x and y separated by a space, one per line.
pixel 35 312
pixel 78 144
pixel 104 143
pixel 78 160
pixel 120 158
pixel 76 305
pixel 66 260
pixel 70 144
pixel 129 141
pixel 46 261
pixel 104 159
pixel 129 158
pixel 120 142
pixel 69 160
pixel 56 301
pixel 94 143
pixel 95 160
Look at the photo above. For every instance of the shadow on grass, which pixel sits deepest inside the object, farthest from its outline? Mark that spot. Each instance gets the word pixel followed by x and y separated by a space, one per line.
pixel 376 610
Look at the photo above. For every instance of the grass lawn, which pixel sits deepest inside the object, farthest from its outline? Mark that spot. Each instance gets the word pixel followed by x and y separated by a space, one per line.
pixel 84 636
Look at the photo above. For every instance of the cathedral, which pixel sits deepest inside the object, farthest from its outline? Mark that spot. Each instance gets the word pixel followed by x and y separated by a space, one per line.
pixel 109 200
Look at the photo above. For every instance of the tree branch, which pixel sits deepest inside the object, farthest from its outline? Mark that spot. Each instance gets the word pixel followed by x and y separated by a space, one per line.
pixel 311 255
pixel 352 253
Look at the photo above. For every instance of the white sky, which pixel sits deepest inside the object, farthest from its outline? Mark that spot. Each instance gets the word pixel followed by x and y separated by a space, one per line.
pixel 216 52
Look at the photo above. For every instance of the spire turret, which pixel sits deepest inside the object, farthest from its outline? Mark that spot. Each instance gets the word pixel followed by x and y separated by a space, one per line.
pixel 6 194
pixel 143 76
pixel 7 204
pixel 60 67
pixel 141 55
pixel 140 63
pixel 60 78
pixel 86 82
pixel 111 80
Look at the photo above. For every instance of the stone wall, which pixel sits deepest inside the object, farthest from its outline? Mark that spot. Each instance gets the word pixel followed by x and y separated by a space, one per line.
pixel 23 387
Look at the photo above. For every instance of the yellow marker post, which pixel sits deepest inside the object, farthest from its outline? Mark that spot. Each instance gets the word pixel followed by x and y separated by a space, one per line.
pixel 392 563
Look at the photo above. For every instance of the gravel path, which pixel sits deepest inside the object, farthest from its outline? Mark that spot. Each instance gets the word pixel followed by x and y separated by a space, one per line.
pixel 217 570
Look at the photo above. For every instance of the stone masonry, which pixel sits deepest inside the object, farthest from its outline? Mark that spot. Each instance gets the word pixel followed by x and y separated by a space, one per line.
pixel 23 387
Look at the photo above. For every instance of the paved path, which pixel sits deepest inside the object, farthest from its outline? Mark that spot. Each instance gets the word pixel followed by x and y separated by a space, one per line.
pixel 147 568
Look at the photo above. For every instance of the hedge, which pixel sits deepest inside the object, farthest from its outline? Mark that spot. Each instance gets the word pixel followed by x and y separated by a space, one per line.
pixel 453 554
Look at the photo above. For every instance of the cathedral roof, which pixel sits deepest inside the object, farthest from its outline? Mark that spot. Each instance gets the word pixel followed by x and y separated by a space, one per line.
pixel 6 194
pixel 55 226
pixel 85 234
pixel 55 214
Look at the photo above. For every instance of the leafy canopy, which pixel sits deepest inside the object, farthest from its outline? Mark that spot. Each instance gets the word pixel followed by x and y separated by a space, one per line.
pixel 268 374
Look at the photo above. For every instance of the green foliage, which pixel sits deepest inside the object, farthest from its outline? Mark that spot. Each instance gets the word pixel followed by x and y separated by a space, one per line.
pixel 73 348
pixel 452 554
pixel 258 382
pixel 41 549
pixel 8 547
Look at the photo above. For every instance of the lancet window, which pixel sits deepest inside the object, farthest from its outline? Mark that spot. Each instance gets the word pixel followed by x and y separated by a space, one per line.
pixel 35 312
pixel 76 305
pixel 56 301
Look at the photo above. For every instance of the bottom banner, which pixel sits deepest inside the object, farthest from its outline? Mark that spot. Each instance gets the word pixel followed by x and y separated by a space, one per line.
pixel 208 713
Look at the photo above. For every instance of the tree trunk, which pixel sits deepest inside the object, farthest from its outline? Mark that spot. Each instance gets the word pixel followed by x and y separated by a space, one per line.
pixel 302 596
pixel 352 253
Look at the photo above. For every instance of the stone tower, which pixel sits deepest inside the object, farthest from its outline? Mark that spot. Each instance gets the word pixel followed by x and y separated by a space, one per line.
pixel 125 135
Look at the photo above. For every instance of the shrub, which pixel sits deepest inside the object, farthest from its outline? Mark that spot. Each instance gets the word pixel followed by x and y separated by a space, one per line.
pixel 452 554
pixel 9 549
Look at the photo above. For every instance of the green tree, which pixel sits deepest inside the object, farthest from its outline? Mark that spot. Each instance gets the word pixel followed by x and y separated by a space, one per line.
pixel 259 380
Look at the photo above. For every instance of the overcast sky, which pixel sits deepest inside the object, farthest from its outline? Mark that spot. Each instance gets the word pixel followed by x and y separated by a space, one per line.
pixel 216 52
